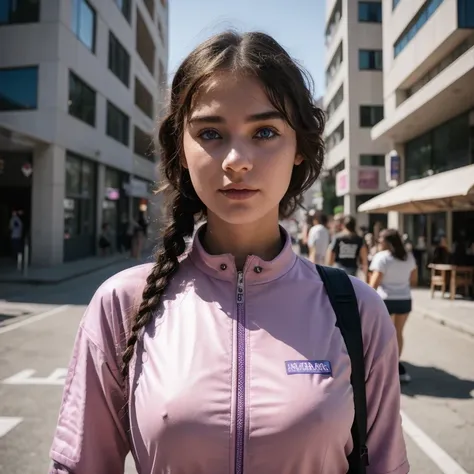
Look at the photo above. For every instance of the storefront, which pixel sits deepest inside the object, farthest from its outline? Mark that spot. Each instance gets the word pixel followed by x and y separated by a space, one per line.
pixel 79 208
pixel 16 177
pixel 140 191
pixel 435 207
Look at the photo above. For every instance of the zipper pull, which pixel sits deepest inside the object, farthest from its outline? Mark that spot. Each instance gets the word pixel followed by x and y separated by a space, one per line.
pixel 240 287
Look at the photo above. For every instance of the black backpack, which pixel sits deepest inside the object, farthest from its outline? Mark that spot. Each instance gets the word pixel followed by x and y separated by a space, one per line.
pixel 344 303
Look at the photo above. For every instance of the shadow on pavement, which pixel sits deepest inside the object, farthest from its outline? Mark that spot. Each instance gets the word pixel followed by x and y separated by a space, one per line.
pixel 434 382
pixel 76 291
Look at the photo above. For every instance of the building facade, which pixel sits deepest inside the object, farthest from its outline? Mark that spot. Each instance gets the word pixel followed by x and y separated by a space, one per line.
pixel 81 85
pixel 353 100
pixel 428 69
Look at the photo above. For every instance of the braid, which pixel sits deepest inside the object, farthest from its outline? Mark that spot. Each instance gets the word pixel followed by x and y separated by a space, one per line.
pixel 166 258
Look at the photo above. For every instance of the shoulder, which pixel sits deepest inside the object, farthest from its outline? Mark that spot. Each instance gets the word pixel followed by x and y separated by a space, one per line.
pixel 112 306
pixel 377 327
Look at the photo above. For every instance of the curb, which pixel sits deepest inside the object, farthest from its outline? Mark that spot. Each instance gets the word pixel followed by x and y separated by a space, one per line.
pixel 53 281
pixel 443 321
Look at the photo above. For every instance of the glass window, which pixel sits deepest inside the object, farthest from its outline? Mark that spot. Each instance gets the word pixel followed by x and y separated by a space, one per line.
pixel 335 64
pixel 395 3
pixel 370 59
pixel 80 197
pixel 143 99
pixel 370 12
pixel 73 176
pixel 419 20
pixel 450 143
pixel 19 88
pixel 336 101
pixel 372 160
pixel 19 11
pixel 465 14
pixel 336 137
pixel 84 23
pixel 119 59
pixel 370 115
pixel 143 144
pixel 117 124
pixel 81 100
pixel 418 157
pixel 125 6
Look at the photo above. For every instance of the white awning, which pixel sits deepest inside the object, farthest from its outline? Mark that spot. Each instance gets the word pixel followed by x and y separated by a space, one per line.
pixel 451 190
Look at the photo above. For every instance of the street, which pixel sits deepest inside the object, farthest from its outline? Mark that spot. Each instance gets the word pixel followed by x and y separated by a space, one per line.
pixel 37 329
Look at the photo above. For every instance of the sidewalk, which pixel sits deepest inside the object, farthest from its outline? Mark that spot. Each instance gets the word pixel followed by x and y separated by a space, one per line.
pixel 61 272
pixel 457 314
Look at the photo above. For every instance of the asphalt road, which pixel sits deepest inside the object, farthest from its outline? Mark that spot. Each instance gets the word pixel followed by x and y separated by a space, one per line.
pixel 37 329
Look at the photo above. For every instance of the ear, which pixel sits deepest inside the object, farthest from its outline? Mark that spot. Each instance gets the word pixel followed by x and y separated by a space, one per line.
pixel 298 159
pixel 183 161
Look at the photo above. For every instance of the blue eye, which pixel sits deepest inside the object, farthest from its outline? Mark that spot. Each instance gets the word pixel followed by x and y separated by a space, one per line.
pixel 209 135
pixel 266 133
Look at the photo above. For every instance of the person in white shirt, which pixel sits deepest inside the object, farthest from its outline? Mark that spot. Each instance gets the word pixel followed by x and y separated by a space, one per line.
pixel 394 272
pixel 318 238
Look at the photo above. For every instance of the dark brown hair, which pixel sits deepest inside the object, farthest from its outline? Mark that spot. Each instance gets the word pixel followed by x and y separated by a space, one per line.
pixel 349 224
pixel 288 89
pixel 394 243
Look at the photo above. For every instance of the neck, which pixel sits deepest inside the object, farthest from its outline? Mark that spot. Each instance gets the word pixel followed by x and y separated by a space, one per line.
pixel 261 238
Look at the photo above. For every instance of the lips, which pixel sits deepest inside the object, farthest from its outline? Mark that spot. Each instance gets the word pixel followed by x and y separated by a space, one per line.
pixel 238 194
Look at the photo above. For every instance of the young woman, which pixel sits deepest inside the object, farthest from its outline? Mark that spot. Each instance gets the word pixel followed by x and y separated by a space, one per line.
pixel 394 272
pixel 184 362
pixel 348 250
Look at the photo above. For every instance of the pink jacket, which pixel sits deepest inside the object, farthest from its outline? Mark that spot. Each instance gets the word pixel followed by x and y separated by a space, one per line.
pixel 222 381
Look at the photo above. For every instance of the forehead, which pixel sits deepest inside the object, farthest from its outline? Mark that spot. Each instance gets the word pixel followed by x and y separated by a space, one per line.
pixel 229 93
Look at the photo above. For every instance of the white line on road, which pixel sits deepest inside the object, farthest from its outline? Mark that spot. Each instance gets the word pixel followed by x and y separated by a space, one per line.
pixel 33 319
pixel 7 423
pixel 441 458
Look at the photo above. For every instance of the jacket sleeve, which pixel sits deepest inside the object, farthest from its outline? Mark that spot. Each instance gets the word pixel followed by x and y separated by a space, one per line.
pixel 385 441
pixel 91 434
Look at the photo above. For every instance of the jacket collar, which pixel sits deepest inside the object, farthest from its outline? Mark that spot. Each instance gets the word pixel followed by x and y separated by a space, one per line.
pixel 256 270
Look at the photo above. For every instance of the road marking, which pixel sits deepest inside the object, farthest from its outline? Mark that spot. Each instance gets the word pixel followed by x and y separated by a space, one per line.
pixel 25 377
pixel 33 319
pixel 7 423
pixel 441 458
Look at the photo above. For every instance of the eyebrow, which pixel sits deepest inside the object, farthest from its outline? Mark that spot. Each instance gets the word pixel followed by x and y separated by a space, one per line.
pixel 270 115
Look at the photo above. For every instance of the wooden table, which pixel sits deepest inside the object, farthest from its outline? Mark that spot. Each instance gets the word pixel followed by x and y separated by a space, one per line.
pixel 458 275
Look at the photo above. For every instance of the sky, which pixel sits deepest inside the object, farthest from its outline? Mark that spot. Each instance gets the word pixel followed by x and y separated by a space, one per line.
pixel 298 25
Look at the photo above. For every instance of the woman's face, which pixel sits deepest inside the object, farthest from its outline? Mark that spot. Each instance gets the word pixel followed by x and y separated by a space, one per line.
pixel 239 151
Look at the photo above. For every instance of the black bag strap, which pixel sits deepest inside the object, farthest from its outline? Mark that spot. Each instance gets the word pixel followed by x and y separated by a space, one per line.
pixel 344 303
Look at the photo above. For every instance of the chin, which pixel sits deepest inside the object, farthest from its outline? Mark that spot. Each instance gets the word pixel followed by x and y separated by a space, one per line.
pixel 239 215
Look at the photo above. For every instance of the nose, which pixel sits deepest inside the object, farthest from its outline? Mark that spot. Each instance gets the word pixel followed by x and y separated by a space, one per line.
pixel 237 159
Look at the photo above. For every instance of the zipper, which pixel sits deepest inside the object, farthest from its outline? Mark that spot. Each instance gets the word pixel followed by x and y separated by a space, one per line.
pixel 240 399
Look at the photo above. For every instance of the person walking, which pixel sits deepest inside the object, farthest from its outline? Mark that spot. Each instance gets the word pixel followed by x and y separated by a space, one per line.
pixel 348 250
pixel 318 238
pixel 16 236
pixel 394 272
pixel 231 361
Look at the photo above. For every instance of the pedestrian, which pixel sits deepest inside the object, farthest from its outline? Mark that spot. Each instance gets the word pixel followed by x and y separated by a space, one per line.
pixel 394 272
pixel 231 361
pixel 16 235
pixel 318 238
pixel 105 240
pixel 140 233
pixel 306 226
pixel 348 250
pixel 337 223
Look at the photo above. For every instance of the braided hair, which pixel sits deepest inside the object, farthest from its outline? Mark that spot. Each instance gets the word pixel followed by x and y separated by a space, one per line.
pixel 288 88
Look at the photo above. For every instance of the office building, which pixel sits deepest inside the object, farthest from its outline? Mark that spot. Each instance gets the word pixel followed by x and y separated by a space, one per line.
pixel 353 100
pixel 81 85
pixel 428 69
